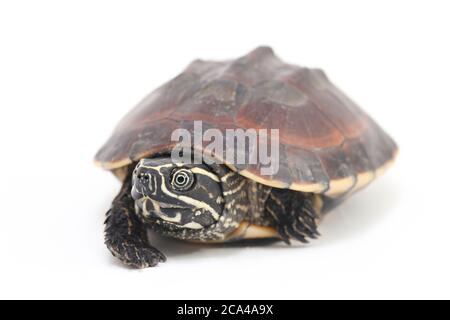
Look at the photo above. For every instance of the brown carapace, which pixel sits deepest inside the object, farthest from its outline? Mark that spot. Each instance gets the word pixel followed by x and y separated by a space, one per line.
pixel 327 143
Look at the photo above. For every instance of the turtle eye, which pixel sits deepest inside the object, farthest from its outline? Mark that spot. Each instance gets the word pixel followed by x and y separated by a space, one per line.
pixel 182 179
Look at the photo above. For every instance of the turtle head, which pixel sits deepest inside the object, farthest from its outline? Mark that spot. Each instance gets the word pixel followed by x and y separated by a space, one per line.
pixel 177 198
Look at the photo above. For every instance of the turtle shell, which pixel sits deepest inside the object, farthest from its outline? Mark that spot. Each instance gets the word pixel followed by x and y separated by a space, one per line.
pixel 327 143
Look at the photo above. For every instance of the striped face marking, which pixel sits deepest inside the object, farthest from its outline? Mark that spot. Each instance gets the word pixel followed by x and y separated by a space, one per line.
pixel 177 195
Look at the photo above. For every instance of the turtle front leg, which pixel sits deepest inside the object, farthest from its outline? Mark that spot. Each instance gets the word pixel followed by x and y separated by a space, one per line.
pixel 292 214
pixel 126 235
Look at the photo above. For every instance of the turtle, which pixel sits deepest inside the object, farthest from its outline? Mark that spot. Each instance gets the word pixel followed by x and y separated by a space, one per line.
pixel 328 149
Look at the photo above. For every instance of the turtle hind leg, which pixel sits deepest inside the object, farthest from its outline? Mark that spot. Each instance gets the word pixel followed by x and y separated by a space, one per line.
pixel 126 235
pixel 293 215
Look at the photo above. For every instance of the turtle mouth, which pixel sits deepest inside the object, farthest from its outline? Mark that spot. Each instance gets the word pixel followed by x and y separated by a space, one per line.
pixel 178 218
pixel 172 216
pixel 149 205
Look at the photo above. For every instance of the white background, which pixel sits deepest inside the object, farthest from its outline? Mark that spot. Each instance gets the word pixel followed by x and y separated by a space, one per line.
pixel 69 70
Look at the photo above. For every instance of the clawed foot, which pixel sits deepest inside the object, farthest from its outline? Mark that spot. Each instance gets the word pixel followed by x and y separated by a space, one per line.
pixel 298 227
pixel 293 214
pixel 136 256
pixel 126 236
